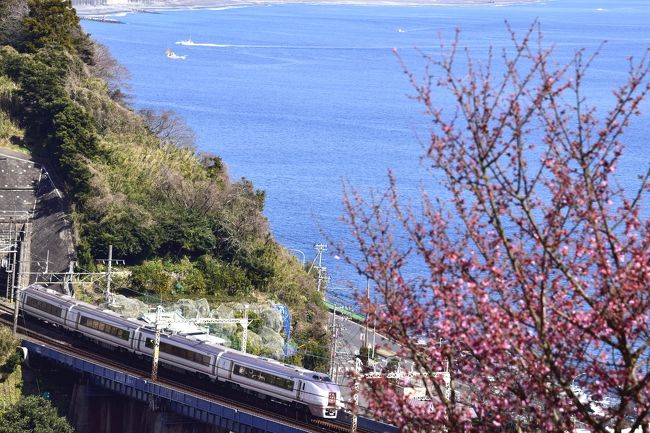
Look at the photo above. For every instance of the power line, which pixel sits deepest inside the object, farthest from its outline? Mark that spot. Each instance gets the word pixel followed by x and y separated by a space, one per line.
pixel 322 270
pixel 109 261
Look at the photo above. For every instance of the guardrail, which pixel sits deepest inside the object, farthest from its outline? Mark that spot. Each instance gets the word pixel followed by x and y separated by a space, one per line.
pixel 345 312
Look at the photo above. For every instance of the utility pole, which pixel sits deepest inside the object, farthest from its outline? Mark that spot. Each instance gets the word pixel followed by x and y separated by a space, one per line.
pixel 12 280
pixel 365 341
pixel 333 345
pixel 67 279
pixel 322 270
pixel 244 334
pixel 374 336
pixel 108 296
pixel 13 234
pixel 355 399
pixel 23 262
pixel 156 346
pixel 16 309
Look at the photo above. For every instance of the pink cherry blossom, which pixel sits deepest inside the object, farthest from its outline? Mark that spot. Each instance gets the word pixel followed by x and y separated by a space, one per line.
pixel 537 277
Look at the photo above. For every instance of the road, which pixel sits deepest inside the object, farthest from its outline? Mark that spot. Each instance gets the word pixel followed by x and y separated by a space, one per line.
pixel 350 339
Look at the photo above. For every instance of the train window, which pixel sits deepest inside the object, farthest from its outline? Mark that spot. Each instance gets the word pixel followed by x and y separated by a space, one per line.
pixel 43 306
pixel 100 326
pixel 262 376
pixel 180 352
pixel 322 378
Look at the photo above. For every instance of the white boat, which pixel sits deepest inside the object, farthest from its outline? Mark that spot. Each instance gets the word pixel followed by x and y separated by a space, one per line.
pixel 187 42
pixel 190 43
pixel 172 55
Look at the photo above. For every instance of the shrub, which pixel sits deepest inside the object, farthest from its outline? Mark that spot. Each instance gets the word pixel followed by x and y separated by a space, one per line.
pixel 7 342
pixel 33 415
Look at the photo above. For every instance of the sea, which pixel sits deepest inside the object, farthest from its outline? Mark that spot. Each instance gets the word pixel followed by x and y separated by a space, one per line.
pixel 303 99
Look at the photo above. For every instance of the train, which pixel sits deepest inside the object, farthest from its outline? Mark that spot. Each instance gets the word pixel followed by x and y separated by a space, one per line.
pixel 195 354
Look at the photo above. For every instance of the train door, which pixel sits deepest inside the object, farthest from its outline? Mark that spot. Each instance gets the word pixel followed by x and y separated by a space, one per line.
pixel 301 387
pixel 68 317
pixel 135 339
pixel 224 368
pixel 215 371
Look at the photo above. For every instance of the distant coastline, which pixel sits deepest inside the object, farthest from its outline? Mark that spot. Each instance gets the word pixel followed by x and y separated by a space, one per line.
pixel 153 6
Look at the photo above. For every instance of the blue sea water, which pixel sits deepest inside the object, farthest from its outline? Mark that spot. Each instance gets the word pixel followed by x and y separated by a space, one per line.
pixel 300 97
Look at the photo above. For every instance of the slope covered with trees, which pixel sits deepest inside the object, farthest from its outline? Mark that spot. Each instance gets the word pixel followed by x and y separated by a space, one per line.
pixel 134 180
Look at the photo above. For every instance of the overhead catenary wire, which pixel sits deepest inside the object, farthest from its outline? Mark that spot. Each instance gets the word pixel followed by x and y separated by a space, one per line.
pixel 303 378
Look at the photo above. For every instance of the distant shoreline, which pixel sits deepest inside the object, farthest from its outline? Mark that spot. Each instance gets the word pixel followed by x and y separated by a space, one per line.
pixel 159 6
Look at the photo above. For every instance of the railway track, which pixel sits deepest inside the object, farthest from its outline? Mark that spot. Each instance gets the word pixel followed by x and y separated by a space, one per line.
pixel 333 425
pixel 56 340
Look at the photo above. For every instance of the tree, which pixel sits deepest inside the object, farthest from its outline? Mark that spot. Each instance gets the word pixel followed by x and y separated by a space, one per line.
pixel 169 127
pixel 33 415
pixel 55 126
pixel 40 93
pixel 537 281
pixel 55 23
pixel 110 70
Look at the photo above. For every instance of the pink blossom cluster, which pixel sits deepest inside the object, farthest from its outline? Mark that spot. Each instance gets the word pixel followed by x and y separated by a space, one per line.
pixel 537 290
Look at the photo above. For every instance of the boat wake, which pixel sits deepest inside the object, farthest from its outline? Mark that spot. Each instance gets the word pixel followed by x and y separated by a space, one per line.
pixel 417 29
pixel 190 43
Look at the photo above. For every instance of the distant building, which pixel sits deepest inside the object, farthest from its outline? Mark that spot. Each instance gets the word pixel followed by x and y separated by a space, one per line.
pixel 109 2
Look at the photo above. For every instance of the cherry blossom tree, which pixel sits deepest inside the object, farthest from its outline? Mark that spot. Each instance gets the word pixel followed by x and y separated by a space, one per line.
pixel 536 289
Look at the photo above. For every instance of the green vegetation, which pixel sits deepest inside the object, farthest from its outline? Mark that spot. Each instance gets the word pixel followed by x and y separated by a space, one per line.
pixel 10 134
pixel 134 180
pixel 9 358
pixel 10 371
pixel 33 415
pixel 7 343
pixel 19 412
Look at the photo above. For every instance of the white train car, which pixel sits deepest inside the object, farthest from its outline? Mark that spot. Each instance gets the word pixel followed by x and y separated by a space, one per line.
pixel 261 375
pixel 190 354
pixel 180 352
pixel 103 326
pixel 286 382
pixel 46 304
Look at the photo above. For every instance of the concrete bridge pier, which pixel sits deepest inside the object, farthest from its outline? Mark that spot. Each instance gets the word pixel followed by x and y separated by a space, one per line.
pixel 96 410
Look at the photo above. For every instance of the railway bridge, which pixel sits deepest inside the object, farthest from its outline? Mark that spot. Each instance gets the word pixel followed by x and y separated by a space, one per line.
pixel 178 395
pixel 193 404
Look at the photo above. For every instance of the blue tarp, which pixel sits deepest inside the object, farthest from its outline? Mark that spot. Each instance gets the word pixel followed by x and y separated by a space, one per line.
pixel 286 318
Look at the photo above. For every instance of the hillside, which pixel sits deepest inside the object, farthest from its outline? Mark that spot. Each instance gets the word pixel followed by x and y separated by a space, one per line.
pixel 134 180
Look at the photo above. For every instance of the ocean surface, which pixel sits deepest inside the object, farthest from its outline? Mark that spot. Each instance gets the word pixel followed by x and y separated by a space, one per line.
pixel 299 98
